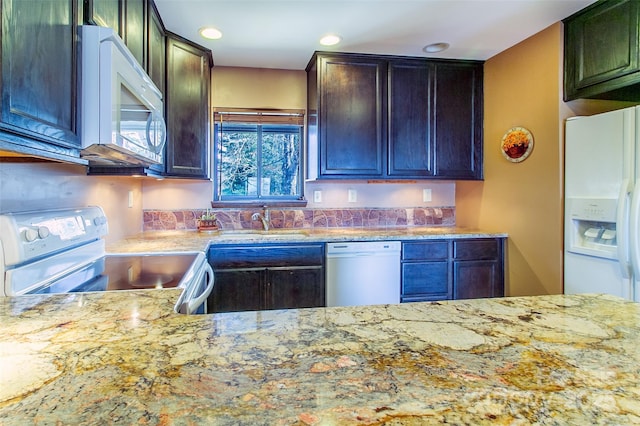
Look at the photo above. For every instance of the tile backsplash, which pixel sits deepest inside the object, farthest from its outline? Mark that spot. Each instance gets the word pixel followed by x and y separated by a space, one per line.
pixel 292 218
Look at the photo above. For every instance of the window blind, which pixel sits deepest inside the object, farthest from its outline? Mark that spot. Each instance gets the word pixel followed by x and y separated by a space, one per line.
pixel 258 116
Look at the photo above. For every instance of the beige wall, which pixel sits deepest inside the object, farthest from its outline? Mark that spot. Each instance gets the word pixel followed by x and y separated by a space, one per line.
pixel 523 87
pixel 235 87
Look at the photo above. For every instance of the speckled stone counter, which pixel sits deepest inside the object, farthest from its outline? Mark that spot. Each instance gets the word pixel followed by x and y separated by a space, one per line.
pixel 185 240
pixel 126 358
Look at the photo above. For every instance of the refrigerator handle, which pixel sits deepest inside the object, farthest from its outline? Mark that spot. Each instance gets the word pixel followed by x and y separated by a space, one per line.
pixel 621 229
pixel 634 233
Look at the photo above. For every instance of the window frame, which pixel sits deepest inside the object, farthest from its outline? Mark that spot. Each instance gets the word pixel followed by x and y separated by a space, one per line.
pixel 275 119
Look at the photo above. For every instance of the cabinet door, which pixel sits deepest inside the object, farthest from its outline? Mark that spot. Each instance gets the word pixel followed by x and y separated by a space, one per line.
pixel 410 148
pixel 187 100
pixel 476 278
pixel 601 51
pixel 135 28
pixel 478 268
pixel 127 17
pixel 352 116
pixel 425 271
pixel 458 120
pixel 106 13
pixel 237 290
pixel 424 280
pixel 156 52
pixel 38 72
pixel 295 287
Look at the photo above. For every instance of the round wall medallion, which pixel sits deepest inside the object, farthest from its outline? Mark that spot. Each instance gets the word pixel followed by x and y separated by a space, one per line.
pixel 516 144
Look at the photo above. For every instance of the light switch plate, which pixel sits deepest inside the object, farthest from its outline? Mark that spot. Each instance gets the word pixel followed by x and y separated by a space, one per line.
pixel 426 195
pixel 353 196
pixel 317 196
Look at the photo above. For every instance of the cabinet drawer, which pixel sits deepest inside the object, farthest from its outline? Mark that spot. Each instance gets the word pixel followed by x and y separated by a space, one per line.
pixel 480 249
pixel 425 278
pixel 271 255
pixel 430 250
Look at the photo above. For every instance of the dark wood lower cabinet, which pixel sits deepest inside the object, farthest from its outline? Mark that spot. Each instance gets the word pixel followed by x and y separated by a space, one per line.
pixel 267 276
pixel 477 278
pixel 295 287
pixel 236 290
pixel 252 277
pixel 425 271
pixel 478 268
pixel 452 269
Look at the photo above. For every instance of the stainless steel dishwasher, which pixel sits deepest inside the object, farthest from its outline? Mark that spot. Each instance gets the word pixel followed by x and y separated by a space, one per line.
pixel 363 273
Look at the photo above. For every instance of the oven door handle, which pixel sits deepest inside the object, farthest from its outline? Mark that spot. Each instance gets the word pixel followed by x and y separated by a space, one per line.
pixel 192 305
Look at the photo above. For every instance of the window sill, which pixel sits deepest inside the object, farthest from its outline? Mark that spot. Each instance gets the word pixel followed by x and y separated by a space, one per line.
pixel 258 203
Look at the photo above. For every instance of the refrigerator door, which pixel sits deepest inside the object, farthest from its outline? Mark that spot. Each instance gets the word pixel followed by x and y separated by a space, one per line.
pixel 634 216
pixel 634 237
pixel 599 166
pixel 595 164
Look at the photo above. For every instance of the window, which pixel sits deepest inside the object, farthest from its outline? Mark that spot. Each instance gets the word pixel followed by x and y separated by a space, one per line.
pixel 257 156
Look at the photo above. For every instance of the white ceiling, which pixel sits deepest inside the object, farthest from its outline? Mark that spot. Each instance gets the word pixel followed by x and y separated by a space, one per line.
pixel 284 33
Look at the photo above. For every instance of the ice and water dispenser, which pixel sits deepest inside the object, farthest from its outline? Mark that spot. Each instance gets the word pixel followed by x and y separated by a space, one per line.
pixel 591 226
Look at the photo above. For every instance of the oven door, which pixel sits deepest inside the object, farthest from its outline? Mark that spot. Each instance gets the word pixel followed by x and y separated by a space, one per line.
pixel 198 285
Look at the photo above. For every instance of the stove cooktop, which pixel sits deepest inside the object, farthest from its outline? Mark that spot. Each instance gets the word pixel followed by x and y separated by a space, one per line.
pixel 126 272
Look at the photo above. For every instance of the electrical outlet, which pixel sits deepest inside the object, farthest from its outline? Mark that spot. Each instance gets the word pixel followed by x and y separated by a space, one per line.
pixel 317 196
pixel 130 200
pixel 426 195
pixel 353 195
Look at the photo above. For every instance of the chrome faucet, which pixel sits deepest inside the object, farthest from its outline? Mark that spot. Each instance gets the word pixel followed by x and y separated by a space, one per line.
pixel 265 218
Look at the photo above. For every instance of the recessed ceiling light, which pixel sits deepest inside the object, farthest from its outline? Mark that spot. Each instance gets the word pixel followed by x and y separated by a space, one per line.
pixel 435 47
pixel 330 40
pixel 210 33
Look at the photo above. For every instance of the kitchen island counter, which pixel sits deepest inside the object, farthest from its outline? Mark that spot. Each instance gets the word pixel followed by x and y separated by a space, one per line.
pixel 191 240
pixel 125 357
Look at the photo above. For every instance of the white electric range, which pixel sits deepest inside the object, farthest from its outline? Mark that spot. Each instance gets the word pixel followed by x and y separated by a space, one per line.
pixel 62 251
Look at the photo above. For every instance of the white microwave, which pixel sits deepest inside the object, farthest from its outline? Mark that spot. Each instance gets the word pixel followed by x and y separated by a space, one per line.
pixel 121 109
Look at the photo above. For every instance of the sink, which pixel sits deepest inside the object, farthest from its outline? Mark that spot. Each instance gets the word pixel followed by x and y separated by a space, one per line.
pixel 249 234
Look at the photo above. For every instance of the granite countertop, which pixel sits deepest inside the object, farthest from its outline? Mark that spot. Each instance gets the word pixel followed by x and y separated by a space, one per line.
pixel 127 358
pixel 191 240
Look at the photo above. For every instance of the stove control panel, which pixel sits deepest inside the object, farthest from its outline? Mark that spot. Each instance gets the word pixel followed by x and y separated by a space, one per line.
pixel 34 234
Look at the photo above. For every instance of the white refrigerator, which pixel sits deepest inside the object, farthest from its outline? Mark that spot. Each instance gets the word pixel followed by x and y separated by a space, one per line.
pixel 602 204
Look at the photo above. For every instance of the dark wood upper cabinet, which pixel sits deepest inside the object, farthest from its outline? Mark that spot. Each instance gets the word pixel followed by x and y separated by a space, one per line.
pixel 134 28
pixel 457 120
pixel 389 117
pixel 106 13
pixel 410 119
pixel 127 17
pixel 187 108
pixel 601 52
pixel 181 70
pixel 352 109
pixel 39 78
pixel 156 47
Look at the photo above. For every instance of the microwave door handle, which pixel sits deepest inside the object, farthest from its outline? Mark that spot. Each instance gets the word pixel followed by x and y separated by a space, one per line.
pixel 193 304
pixel 159 127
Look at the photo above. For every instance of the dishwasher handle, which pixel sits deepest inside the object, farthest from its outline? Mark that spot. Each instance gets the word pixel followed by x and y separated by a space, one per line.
pixel 363 248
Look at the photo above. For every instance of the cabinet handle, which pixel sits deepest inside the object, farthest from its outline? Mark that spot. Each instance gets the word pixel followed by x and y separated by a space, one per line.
pixel 293 268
